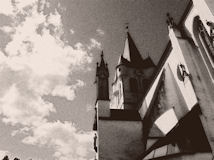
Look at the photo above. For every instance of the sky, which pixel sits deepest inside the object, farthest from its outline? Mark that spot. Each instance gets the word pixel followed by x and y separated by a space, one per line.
pixel 48 54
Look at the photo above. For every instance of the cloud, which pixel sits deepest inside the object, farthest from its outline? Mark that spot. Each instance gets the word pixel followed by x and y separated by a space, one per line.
pixel 21 4
pixel 23 130
pixel 72 31
pixel 20 107
pixel 66 140
pixel 11 7
pixel 35 63
pixel 100 32
pixel 94 44
pixel 54 19
pixel 3 153
pixel 6 7
pixel 64 91
pixel 67 91
pixel 7 29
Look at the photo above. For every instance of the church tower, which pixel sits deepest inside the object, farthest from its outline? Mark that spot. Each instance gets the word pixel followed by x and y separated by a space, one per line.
pixel 102 108
pixel 102 83
pixel 132 77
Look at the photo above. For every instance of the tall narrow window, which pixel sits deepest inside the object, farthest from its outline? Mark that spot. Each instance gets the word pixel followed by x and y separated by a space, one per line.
pixel 205 45
pixel 206 42
pixel 133 85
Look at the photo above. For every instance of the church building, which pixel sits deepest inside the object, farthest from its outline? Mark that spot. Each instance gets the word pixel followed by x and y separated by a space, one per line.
pixel 163 111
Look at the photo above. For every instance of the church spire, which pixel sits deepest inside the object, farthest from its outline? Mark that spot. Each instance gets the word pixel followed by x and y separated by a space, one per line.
pixel 131 56
pixel 102 75
pixel 102 63
pixel 131 53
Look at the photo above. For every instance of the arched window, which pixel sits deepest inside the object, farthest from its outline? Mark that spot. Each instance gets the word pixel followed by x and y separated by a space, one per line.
pixel 205 45
pixel 206 41
pixel 133 85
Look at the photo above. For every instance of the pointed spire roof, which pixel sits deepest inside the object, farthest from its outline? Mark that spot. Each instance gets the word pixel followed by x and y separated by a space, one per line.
pixel 102 63
pixel 131 55
pixel 102 66
pixel 131 52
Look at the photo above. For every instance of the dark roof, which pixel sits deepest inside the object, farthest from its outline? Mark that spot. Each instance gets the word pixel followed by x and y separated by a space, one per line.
pixel 188 134
pixel 132 57
pixel 123 115
pixel 135 56
pixel 148 62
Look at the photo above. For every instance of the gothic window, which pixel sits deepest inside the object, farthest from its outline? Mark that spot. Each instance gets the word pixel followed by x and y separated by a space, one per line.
pixel 133 85
pixel 206 41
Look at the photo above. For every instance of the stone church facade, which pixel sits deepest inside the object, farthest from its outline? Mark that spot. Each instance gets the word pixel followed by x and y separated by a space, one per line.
pixel 163 111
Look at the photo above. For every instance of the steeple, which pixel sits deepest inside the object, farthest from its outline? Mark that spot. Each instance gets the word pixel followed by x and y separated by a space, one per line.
pixel 102 75
pixel 132 76
pixel 131 55
pixel 102 63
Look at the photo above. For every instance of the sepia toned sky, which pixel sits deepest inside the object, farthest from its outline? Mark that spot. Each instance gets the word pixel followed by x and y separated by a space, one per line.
pixel 48 54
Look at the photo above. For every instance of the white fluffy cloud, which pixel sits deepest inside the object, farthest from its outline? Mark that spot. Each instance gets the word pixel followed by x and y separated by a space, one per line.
pixel 66 140
pixel 54 19
pixel 72 31
pixel 67 91
pixel 3 153
pixel 35 63
pixel 94 44
pixel 19 107
pixel 6 7
pixel 9 7
pixel 100 32
pixel 20 4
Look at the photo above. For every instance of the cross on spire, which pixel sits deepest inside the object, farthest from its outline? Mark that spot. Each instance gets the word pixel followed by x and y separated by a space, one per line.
pixel 127 27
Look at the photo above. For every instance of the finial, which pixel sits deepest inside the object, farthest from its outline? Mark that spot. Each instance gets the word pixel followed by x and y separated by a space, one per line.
pixel 102 63
pixel 127 27
pixel 97 63
pixel 170 21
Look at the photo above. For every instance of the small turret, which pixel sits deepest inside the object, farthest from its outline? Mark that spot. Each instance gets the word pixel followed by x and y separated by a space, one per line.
pixel 102 75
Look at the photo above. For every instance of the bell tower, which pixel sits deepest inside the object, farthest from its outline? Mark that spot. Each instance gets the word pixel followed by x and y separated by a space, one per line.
pixel 102 83
pixel 133 74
